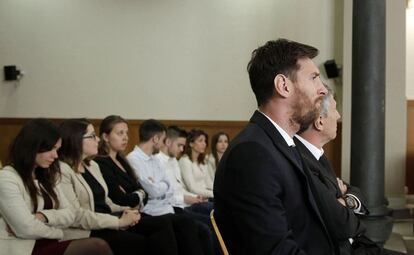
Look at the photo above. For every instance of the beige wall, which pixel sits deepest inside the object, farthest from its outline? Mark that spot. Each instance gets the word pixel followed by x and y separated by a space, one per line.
pixel 175 59
pixel 395 110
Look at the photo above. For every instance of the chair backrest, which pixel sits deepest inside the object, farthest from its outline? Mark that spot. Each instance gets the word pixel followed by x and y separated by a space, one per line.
pixel 217 231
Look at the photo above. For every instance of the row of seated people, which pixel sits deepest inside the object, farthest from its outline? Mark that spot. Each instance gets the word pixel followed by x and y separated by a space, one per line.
pixel 58 197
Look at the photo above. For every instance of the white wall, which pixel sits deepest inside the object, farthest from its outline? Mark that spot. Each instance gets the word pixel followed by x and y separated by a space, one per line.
pixel 171 59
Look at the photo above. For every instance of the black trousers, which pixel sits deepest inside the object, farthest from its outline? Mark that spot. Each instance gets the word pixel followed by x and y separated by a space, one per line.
pixel 152 235
pixel 192 237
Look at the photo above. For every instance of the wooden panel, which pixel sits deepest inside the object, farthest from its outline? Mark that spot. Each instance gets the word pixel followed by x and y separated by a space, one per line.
pixel 409 170
pixel 9 128
pixel 333 151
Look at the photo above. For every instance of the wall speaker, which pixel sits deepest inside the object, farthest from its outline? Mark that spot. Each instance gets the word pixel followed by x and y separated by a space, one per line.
pixel 11 73
pixel 332 70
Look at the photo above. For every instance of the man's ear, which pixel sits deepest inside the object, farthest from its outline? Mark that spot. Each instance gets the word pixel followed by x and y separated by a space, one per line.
pixel 168 141
pixel 318 124
pixel 281 85
pixel 155 139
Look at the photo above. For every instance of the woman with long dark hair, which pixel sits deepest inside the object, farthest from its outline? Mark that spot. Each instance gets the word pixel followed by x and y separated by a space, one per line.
pixel 86 190
pixel 194 168
pixel 219 144
pixel 34 213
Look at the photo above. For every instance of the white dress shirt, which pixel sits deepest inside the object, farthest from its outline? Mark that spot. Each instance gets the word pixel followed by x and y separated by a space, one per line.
pixel 316 152
pixel 153 178
pixel 174 176
pixel 283 133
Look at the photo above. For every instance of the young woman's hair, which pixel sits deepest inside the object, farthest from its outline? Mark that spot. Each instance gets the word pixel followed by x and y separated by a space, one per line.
pixel 192 136
pixel 106 127
pixel 214 140
pixel 72 132
pixel 36 136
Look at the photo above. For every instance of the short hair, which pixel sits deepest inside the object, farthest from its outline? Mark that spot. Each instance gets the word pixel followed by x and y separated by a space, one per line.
pixel 174 132
pixel 325 102
pixel 271 59
pixel 72 132
pixel 149 129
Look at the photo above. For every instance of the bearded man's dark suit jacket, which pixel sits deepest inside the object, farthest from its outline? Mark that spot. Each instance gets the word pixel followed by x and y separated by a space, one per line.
pixel 342 223
pixel 263 202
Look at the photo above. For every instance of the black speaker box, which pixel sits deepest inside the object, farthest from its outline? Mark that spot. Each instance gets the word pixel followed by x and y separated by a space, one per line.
pixel 11 73
pixel 332 70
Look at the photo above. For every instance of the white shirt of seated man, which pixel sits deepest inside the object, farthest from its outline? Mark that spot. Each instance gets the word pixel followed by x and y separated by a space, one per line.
pixel 153 178
pixel 181 198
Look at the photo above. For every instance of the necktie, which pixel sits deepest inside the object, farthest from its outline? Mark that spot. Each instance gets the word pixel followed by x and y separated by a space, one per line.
pixel 297 155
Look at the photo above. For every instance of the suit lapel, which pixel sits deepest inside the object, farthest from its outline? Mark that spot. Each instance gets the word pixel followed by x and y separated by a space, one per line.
pixel 277 139
pixel 87 188
pixel 282 146
pixel 327 168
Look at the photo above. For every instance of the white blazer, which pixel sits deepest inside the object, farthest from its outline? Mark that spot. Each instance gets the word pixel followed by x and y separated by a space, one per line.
pixel 80 196
pixel 16 211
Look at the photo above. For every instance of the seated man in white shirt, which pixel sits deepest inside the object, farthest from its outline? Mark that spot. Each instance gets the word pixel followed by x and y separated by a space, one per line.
pixel 151 175
pixel 181 199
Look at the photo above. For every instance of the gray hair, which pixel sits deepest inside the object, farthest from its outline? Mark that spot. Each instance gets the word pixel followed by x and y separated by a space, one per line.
pixel 324 107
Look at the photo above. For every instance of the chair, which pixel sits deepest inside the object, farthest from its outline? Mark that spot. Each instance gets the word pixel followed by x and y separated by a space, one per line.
pixel 217 232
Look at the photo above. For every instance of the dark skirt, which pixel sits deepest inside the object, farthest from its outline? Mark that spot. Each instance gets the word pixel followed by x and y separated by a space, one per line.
pixel 50 246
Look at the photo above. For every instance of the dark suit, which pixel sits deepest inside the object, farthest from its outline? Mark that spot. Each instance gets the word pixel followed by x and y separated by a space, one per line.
pixel 263 202
pixel 341 222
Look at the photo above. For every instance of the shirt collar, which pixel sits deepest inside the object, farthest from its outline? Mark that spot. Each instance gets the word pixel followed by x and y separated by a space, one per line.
pixel 141 153
pixel 316 152
pixel 163 157
pixel 284 134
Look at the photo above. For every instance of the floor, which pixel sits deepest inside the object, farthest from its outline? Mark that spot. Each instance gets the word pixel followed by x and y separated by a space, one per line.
pixel 402 237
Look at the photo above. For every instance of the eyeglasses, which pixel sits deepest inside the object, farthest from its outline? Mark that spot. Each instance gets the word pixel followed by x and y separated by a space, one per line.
pixel 91 136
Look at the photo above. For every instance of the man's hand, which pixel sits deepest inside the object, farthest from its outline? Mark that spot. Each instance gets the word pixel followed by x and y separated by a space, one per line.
pixel 342 186
pixel 342 201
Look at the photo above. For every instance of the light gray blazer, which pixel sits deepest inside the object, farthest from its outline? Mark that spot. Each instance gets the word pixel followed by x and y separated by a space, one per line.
pixel 80 196
pixel 16 211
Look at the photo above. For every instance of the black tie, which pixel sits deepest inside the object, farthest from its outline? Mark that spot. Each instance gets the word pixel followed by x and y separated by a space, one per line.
pixel 297 155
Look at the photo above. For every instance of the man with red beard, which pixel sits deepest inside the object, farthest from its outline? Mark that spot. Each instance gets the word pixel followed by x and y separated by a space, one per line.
pixel 263 199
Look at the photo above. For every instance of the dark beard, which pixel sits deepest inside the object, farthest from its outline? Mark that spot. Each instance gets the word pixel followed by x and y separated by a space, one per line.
pixel 155 151
pixel 305 113
pixel 306 120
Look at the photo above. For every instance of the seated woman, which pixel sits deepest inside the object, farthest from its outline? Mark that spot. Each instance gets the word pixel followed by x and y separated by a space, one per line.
pixel 33 211
pixel 86 190
pixel 124 188
pixel 219 143
pixel 194 168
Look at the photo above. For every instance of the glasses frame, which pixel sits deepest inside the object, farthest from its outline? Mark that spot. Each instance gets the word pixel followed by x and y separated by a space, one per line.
pixel 91 136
